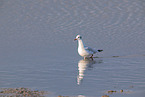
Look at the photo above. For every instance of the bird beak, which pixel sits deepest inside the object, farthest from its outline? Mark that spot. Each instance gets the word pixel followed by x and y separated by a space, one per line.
pixel 75 39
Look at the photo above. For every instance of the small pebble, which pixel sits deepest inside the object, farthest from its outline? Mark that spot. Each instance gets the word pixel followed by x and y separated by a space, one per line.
pixel 105 96
pixel 121 91
pixel 111 91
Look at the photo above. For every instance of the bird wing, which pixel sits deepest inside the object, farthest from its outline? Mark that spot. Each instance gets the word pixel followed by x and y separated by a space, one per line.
pixel 90 49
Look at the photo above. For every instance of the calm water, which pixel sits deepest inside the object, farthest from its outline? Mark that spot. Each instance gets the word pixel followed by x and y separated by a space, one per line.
pixel 37 50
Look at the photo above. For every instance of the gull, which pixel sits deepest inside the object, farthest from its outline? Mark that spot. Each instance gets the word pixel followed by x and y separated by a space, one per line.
pixel 85 51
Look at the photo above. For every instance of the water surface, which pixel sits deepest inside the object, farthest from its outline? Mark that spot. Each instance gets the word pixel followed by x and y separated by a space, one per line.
pixel 37 49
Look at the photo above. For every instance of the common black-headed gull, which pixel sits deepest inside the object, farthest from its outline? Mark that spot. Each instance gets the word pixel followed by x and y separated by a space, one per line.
pixel 85 51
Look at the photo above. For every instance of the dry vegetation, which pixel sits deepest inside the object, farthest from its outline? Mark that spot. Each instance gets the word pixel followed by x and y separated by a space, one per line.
pixel 21 92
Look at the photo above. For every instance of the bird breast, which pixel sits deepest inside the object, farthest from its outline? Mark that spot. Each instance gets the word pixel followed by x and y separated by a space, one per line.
pixel 83 52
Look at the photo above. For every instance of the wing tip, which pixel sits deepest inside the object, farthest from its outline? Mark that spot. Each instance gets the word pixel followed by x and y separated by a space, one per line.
pixel 100 50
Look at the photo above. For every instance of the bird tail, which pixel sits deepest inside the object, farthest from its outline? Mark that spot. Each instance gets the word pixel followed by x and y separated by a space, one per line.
pixel 100 50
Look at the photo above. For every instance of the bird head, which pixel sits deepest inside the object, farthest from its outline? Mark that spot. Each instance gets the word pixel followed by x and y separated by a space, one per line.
pixel 78 37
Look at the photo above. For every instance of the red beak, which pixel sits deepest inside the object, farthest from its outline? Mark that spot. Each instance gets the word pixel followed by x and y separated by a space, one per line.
pixel 75 39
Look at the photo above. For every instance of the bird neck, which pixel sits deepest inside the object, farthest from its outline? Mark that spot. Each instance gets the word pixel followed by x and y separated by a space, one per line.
pixel 80 44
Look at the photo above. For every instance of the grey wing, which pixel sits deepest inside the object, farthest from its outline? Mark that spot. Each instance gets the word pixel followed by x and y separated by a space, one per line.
pixel 90 49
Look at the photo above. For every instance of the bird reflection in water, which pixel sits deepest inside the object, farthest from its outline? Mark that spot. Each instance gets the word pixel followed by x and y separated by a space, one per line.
pixel 83 65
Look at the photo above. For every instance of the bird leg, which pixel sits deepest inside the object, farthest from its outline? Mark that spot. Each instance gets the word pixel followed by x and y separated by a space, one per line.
pixel 91 57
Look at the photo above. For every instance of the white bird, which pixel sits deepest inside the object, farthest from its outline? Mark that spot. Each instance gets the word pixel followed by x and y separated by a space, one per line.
pixel 85 51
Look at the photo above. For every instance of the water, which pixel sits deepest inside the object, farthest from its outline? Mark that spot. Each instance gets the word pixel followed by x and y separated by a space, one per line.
pixel 37 50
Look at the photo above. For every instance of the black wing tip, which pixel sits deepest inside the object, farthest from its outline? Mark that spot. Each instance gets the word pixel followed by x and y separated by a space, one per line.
pixel 100 50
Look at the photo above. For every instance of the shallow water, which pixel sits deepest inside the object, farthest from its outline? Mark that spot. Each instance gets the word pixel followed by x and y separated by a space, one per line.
pixel 37 49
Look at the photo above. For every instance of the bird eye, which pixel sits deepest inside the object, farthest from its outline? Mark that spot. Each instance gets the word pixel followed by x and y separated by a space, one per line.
pixel 79 37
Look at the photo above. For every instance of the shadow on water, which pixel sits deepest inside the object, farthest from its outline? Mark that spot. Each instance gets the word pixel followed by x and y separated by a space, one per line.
pixel 83 65
pixel 125 56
